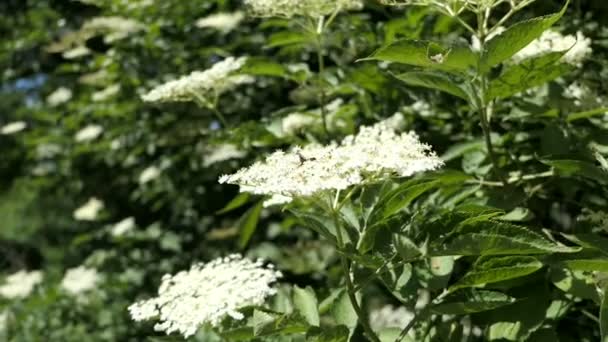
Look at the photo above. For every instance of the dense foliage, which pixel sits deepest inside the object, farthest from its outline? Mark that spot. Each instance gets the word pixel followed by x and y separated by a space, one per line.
pixel 138 156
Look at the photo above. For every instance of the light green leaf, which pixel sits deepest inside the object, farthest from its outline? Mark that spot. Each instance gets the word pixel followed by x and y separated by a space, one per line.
pixel 516 37
pixel 305 302
pixel 257 66
pixel 589 265
pixel 427 54
pixel 530 73
pixel 342 311
pixel 433 80
pixel 237 202
pixel 604 317
pixel 469 301
pixel 587 114
pixel 496 269
pixel 589 240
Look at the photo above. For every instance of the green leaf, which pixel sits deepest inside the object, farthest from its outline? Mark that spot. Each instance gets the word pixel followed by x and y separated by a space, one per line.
pixel 589 265
pixel 589 240
pixel 433 80
pixel 313 222
pixel 573 168
pixel 237 202
pixel 469 301
pixel 257 66
pixel 530 73
pixel 496 269
pixel 587 114
pixel 338 333
pixel 400 197
pixel 305 302
pixel 267 323
pixel 342 311
pixel 516 37
pixel 604 317
pixel 407 250
pixel 578 283
pixel 427 54
pixel 490 237
pixel 249 223
pixel 285 38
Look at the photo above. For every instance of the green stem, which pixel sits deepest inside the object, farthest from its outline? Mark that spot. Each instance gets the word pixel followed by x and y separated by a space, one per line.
pixel 321 63
pixel 350 288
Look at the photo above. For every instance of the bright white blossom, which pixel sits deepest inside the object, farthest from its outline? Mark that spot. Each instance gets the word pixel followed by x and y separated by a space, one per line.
pixel 224 22
pixel 578 47
pixel 79 279
pixel 88 133
pixel 59 96
pixel 222 153
pixel 20 284
pixel 122 227
pixel 206 294
pixel 149 174
pixel 201 84
pixel 309 8
pixel 76 52
pixel 89 211
pixel 13 127
pixel 105 93
pixel 113 28
pixel 375 152
pixel 389 316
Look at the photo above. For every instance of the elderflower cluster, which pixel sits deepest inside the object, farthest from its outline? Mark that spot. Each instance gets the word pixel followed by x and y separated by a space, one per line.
pixel 206 294
pixel 307 8
pixel 578 47
pixel 13 127
pixel 88 133
pixel 20 284
pixel 79 280
pixel 59 96
pixel 123 227
pixel 201 84
pixel 114 27
pixel 376 151
pixel 389 316
pixel 222 152
pixel 89 211
pixel 149 174
pixel 224 22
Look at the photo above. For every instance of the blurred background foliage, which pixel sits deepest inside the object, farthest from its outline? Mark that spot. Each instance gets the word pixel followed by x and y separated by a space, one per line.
pixel 47 172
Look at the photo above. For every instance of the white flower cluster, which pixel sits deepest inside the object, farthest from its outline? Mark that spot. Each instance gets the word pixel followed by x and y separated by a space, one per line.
pixel 149 174
pixel 309 8
pixel 59 96
pixel 114 27
pixel 3 323
pixel 224 22
pixel 89 211
pixel 389 316
pixel 206 294
pixel 13 127
pixel 20 284
pixel 221 153
pixel 105 93
pixel 376 151
pixel 88 133
pixel 204 84
pixel 79 280
pixel 123 227
pixel 578 47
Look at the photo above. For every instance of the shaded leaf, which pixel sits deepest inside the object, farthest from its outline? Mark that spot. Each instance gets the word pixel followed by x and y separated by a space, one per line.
pixel 433 80
pixel 497 269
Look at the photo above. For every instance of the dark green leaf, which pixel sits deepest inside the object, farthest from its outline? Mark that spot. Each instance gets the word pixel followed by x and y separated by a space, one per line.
pixel 470 301
pixel 496 269
pixel 578 168
pixel 434 80
pixel 249 223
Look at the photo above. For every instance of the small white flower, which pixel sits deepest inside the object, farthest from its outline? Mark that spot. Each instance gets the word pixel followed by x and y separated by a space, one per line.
pixel 89 211
pixel 294 123
pixel 376 152
pixel 79 280
pixel 59 96
pixel 105 93
pixel 149 174
pixel 13 127
pixel 222 153
pixel 309 8
pixel 578 47
pixel 206 294
pixel 88 133
pixel 20 284
pixel 113 28
pixel 201 84
pixel 123 227
pixel 76 52
pixel 224 22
